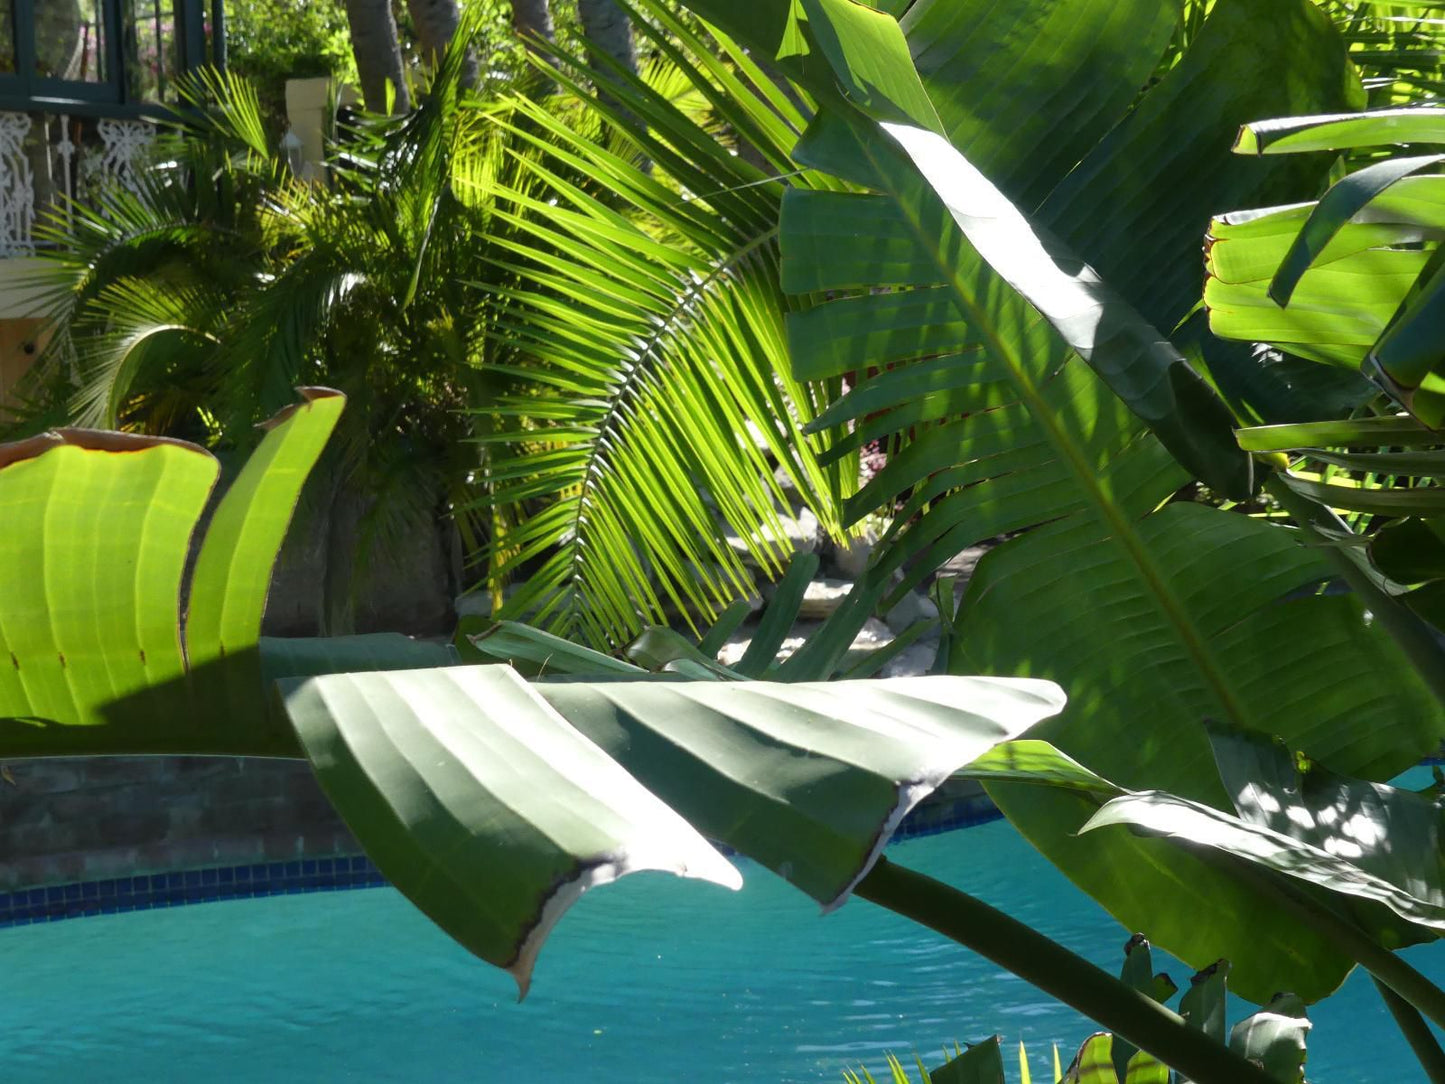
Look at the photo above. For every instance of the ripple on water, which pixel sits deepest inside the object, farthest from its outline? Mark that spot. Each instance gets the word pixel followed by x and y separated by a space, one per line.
pixel 647 979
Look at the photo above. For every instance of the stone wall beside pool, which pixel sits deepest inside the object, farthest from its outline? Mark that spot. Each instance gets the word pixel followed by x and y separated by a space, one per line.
pixel 100 835
pixel 65 820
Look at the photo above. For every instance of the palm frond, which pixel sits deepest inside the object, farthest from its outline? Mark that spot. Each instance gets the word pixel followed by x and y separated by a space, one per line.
pixel 644 337
pixel 139 322
pixel 225 107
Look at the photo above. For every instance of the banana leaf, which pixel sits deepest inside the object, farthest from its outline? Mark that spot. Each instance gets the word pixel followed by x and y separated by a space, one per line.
pixel 1376 309
pixel 1004 428
pixel 92 562
pixel 1366 850
pixel 493 805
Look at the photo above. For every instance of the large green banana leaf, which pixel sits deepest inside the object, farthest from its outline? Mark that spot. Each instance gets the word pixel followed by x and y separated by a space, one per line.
pixel 1349 282
pixel 98 528
pixel 491 803
pixel 1345 279
pixel 1029 86
pixel 1331 298
pixel 1356 848
pixel 1155 614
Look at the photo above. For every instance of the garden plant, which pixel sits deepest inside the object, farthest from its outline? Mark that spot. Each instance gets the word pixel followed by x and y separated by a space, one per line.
pixel 1004 291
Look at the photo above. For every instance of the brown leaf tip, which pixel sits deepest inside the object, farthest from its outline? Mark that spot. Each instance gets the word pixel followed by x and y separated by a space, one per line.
pixel 308 395
pixel 91 440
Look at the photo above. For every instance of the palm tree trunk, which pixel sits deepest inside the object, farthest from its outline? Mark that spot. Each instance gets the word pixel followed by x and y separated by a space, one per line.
pixel 436 24
pixel 532 18
pixel 378 54
pixel 606 27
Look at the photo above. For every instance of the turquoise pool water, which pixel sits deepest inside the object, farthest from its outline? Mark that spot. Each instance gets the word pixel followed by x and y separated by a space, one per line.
pixel 651 979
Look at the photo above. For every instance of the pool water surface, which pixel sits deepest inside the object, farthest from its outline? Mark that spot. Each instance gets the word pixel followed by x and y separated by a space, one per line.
pixel 651 979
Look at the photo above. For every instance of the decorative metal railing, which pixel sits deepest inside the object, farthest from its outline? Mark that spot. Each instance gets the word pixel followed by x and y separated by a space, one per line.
pixel 49 159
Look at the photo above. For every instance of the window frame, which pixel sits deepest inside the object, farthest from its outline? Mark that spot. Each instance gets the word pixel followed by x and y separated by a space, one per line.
pixel 22 90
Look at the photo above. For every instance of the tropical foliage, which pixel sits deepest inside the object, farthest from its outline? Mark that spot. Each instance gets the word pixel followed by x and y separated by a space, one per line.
pixel 645 336
pixel 964 490
pixel 192 306
pixel 432 282
pixel 1274 1037
pixel 1350 283
pixel 1397 45
pixel 1008 420
pixel 538 794
pixel 491 803
pixel 971 245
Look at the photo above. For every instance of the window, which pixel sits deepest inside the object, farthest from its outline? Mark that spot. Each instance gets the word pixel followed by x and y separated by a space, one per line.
pixel 7 39
pixel 70 38
pixel 151 50
pixel 122 52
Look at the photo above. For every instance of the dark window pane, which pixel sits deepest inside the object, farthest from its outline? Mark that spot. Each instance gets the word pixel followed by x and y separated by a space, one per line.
pixel 151 48
pixel 7 38
pixel 70 41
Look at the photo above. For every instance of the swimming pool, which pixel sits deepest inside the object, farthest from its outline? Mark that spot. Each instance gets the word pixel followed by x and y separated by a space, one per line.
pixel 650 979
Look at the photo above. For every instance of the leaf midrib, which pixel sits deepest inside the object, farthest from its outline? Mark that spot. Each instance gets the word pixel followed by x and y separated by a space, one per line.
pixel 630 388
pixel 1118 524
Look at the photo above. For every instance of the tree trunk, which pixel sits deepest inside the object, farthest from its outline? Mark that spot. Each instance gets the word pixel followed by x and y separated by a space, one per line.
pixel 436 23
pixel 378 54
pixel 606 27
pixel 532 18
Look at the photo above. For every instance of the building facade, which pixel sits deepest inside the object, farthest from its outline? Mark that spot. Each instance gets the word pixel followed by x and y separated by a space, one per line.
pixel 82 83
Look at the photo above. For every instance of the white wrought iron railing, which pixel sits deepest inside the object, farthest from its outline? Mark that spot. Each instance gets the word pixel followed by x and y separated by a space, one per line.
pixel 49 159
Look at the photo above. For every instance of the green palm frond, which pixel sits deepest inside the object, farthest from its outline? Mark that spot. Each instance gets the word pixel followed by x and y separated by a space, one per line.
pixel 139 323
pixel 224 107
pixel 191 227
pixel 645 344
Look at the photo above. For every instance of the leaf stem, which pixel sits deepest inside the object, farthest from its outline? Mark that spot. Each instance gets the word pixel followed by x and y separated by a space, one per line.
pixel 1058 972
pixel 1417 1033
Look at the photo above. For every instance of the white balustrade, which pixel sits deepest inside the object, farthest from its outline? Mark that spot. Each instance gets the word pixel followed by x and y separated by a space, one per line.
pixel 17 187
pixel 43 165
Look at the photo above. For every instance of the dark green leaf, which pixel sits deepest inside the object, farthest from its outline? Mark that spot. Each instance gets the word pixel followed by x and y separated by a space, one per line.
pixel 1275 1037
pixel 981 1063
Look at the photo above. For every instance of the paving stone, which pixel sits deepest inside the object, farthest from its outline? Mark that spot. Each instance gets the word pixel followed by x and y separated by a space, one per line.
pixel 963 564
pixel 909 610
pixel 800 533
pixel 822 598
pixel 913 661
pixel 871 637
pixel 849 560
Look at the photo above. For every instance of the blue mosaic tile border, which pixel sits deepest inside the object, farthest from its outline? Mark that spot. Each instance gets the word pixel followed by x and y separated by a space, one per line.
pixel 147 892
pixel 150 891
pixel 932 819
